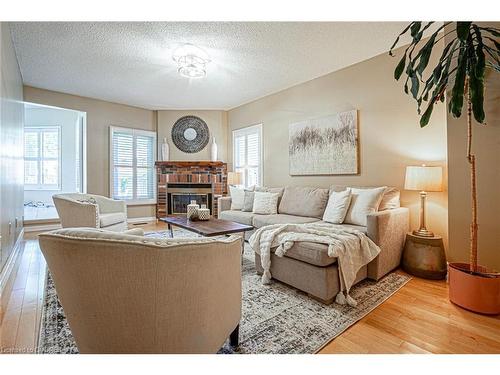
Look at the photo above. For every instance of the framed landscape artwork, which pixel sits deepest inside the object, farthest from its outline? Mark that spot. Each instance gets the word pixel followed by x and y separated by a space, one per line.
pixel 325 146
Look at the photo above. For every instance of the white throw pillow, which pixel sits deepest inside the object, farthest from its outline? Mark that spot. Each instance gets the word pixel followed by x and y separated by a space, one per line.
pixel 363 202
pixel 337 206
pixel 265 203
pixel 237 197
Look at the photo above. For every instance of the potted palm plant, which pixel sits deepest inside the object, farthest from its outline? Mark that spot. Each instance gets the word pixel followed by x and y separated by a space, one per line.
pixel 460 73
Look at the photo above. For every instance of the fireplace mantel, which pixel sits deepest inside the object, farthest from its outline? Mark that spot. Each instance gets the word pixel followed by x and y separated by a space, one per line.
pixel 196 164
pixel 189 172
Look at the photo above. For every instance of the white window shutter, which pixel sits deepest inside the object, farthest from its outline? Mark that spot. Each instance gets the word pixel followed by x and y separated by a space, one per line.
pixel 247 154
pixel 132 164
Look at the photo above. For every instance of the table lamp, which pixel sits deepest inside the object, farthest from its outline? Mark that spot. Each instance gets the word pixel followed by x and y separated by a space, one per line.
pixel 424 179
pixel 234 178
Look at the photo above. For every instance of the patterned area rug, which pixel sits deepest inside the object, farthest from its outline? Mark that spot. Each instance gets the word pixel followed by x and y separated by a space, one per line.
pixel 276 318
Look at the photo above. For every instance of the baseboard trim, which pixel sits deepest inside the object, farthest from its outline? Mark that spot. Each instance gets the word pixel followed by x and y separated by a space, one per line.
pixel 141 220
pixel 6 272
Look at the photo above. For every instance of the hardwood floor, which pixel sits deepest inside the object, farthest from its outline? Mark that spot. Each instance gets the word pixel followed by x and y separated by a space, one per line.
pixel 418 319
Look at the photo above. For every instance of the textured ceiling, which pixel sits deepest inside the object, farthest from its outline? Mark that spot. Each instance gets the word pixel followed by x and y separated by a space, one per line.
pixel 131 63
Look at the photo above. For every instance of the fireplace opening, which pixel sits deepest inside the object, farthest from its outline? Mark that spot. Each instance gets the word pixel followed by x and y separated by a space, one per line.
pixel 180 195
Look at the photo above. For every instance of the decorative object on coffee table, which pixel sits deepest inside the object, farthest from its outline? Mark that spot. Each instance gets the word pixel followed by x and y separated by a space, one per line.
pixel 210 228
pixel 324 146
pixel 425 179
pixel 192 210
pixel 203 213
pixel 190 134
pixel 424 257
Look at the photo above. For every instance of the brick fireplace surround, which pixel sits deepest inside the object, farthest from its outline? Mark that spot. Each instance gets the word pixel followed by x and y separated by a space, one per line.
pixel 193 173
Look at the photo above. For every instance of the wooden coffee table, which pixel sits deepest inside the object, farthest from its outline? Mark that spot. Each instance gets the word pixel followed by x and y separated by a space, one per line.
pixel 209 228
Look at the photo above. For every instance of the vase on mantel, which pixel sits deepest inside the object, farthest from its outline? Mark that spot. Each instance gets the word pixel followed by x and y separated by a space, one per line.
pixel 165 150
pixel 213 151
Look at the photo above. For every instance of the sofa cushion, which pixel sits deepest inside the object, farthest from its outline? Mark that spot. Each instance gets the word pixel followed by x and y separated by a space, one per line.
pixel 390 199
pixel 363 202
pixel 276 190
pixel 304 201
pixel 337 206
pixel 310 252
pixel 248 201
pixel 241 217
pixel 263 220
pixel 265 203
pixel 316 253
pixel 237 195
pixel 106 220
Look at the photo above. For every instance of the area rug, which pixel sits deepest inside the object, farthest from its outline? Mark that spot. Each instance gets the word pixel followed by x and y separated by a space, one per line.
pixel 276 318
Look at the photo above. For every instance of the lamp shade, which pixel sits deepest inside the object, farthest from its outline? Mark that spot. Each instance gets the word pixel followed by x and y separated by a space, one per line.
pixel 234 178
pixel 424 178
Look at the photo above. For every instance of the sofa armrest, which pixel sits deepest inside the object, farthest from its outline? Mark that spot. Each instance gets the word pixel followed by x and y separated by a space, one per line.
pixel 388 230
pixel 76 214
pixel 224 204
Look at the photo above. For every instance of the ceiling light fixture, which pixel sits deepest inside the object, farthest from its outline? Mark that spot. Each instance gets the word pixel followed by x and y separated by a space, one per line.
pixel 191 61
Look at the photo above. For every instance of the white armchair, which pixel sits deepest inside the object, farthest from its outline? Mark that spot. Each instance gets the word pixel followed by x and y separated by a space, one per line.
pixel 90 210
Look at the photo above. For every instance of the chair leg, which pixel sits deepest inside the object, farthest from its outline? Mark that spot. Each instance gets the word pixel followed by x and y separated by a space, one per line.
pixel 234 337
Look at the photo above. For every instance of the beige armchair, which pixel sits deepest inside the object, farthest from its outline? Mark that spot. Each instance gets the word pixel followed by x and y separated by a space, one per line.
pixel 124 293
pixel 90 210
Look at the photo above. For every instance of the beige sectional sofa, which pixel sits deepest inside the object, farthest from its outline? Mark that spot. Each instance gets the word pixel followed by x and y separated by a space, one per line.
pixel 306 265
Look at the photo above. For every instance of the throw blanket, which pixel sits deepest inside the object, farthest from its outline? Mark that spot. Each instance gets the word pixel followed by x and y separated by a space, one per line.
pixel 352 248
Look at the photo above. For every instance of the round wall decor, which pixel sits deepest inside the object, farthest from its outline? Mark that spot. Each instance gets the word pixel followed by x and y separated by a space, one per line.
pixel 190 134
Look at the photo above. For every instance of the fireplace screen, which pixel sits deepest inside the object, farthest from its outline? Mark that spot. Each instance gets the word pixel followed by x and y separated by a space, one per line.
pixel 181 194
pixel 180 201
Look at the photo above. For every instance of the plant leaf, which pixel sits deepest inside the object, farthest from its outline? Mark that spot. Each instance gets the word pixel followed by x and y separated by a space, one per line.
pixel 415 85
pixel 397 39
pixel 476 87
pixel 457 93
pixel 414 29
pixel 426 54
pixel 400 68
pixel 463 29
pixel 424 120
pixel 493 31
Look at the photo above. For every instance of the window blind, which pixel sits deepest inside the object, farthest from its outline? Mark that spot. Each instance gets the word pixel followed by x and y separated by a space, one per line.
pixel 42 158
pixel 132 164
pixel 247 154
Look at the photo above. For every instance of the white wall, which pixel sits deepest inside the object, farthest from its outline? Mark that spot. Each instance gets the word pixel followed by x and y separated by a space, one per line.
pixel 11 147
pixel 69 123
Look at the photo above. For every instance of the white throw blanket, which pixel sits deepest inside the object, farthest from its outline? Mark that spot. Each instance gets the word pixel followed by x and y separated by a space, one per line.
pixel 352 248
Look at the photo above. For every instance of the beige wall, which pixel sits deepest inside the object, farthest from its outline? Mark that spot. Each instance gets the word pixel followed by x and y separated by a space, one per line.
pixel 11 151
pixel 486 146
pixel 217 124
pixel 390 136
pixel 100 115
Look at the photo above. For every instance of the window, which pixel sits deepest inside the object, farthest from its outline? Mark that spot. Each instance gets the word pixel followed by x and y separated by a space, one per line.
pixel 132 156
pixel 247 154
pixel 42 158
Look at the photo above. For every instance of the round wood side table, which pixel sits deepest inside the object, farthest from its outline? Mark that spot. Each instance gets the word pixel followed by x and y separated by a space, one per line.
pixel 424 257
